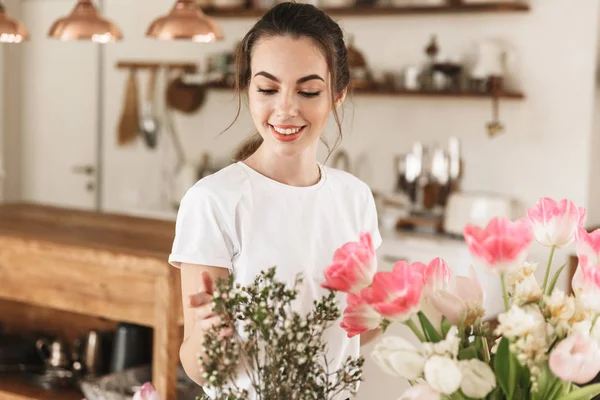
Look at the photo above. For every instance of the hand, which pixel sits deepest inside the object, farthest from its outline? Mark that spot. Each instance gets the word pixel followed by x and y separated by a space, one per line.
pixel 206 318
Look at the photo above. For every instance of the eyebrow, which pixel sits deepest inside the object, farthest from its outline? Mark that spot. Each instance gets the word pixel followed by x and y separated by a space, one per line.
pixel 301 80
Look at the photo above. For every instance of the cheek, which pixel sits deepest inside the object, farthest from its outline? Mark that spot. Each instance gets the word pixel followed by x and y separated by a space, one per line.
pixel 259 106
pixel 317 112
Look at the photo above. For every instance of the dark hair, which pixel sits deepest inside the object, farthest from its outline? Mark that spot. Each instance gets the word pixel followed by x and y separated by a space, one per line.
pixel 296 20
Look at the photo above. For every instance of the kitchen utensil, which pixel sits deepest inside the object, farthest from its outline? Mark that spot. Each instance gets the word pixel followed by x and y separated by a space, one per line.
pixel 149 123
pixel 132 347
pixel 129 122
pixel 478 208
pixel 54 353
pixel 185 97
pixel 92 353
pixel 495 127
pixel 17 350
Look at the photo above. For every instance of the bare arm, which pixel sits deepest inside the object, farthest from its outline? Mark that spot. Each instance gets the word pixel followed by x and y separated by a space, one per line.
pixel 197 289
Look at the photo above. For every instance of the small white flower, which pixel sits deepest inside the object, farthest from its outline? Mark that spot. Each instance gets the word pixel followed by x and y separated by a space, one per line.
pixel 478 379
pixel 518 322
pixel 448 346
pixel 443 374
pixel 522 273
pixel 527 291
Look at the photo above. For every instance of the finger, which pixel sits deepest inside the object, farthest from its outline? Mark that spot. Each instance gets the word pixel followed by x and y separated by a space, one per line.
pixel 208 283
pixel 209 323
pixel 227 332
pixel 205 311
pixel 200 299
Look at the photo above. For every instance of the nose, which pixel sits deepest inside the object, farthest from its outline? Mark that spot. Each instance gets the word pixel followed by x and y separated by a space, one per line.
pixel 287 105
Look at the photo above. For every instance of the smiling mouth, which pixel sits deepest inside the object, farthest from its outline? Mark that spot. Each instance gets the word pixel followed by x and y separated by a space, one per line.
pixel 287 133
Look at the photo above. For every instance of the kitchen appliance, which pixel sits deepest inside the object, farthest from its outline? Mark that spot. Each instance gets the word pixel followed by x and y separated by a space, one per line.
pixel 478 208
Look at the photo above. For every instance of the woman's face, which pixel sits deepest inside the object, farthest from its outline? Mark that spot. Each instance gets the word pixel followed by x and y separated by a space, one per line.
pixel 289 94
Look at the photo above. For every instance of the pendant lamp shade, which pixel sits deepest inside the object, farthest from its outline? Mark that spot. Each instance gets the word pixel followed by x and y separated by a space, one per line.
pixel 186 21
pixel 11 30
pixel 85 23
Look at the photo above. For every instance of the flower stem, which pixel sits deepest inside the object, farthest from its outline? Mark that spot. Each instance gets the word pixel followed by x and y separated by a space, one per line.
pixel 548 267
pixel 415 330
pixel 594 322
pixel 504 292
pixel 486 349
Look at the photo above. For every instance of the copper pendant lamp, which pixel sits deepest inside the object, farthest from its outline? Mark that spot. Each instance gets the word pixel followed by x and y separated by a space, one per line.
pixel 186 21
pixel 85 23
pixel 11 30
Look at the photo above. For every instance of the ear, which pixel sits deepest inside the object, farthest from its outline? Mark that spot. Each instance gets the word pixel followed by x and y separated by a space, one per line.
pixel 339 99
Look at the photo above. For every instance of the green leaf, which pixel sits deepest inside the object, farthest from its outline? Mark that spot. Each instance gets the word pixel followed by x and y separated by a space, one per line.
pixel 584 393
pixel 506 367
pixel 431 334
pixel 446 325
pixel 496 395
pixel 555 279
pixel 468 353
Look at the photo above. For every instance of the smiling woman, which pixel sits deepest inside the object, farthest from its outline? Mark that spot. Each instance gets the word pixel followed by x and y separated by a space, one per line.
pixel 316 68
pixel 276 205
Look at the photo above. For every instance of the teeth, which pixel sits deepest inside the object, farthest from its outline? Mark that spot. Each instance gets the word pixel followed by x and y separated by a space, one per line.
pixel 286 131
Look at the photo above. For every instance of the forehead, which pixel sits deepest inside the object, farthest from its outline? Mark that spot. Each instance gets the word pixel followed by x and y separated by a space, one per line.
pixel 288 58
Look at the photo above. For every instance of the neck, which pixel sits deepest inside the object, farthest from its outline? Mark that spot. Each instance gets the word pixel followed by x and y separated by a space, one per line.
pixel 297 170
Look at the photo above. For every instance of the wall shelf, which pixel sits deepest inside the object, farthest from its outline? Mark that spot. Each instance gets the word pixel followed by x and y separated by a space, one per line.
pixel 409 93
pixel 366 11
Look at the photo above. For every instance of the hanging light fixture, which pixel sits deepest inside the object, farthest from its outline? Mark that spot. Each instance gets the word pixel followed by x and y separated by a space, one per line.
pixel 11 30
pixel 85 23
pixel 186 21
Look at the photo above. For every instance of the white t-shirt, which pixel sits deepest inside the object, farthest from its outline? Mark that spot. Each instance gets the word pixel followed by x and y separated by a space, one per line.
pixel 240 219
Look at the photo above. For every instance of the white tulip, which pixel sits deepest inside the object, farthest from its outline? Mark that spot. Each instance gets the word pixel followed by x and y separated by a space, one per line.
pixel 398 357
pixel 443 374
pixel 478 379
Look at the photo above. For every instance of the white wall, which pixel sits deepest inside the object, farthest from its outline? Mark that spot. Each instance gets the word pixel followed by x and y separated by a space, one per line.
pixel 594 174
pixel 11 143
pixel 543 153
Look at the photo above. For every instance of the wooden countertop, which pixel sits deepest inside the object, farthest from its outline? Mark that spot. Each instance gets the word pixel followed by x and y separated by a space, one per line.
pixel 104 231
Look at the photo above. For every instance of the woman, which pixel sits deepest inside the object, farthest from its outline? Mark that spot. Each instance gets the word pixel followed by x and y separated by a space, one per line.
pixel 276 205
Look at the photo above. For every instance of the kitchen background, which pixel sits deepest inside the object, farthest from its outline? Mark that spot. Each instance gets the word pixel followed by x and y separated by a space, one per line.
pixel 62 103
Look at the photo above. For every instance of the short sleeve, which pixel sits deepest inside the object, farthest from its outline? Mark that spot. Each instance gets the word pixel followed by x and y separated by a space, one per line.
pixel 371 220
pixel 202 235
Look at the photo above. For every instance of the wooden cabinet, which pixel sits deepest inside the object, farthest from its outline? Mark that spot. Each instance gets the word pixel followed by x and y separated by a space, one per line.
pixel 95 264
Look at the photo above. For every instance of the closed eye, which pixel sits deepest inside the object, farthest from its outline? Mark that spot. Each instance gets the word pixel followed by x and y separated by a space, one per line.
pixel 310 94
pixel 267 91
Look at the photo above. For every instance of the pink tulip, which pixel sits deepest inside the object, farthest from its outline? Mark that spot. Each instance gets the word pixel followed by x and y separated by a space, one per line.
pixel 359 317
pixel 421 391
pixel 576 359
pixel 554 224
pixel 502 245
pixel 396 295
pixel 590 273
pixel 353 267
pixel 146 392
pixel 467 294
pixel 436 274
pixel 586 245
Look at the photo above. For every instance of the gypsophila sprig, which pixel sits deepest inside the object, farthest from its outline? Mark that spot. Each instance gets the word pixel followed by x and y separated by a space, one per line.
pixel 282 352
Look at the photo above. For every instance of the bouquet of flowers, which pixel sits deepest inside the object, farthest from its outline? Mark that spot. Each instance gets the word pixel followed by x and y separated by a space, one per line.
pixel 282 352
pixel 546 345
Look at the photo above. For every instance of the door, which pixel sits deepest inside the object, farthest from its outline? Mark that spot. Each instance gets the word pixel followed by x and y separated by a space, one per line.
pixel 59 115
